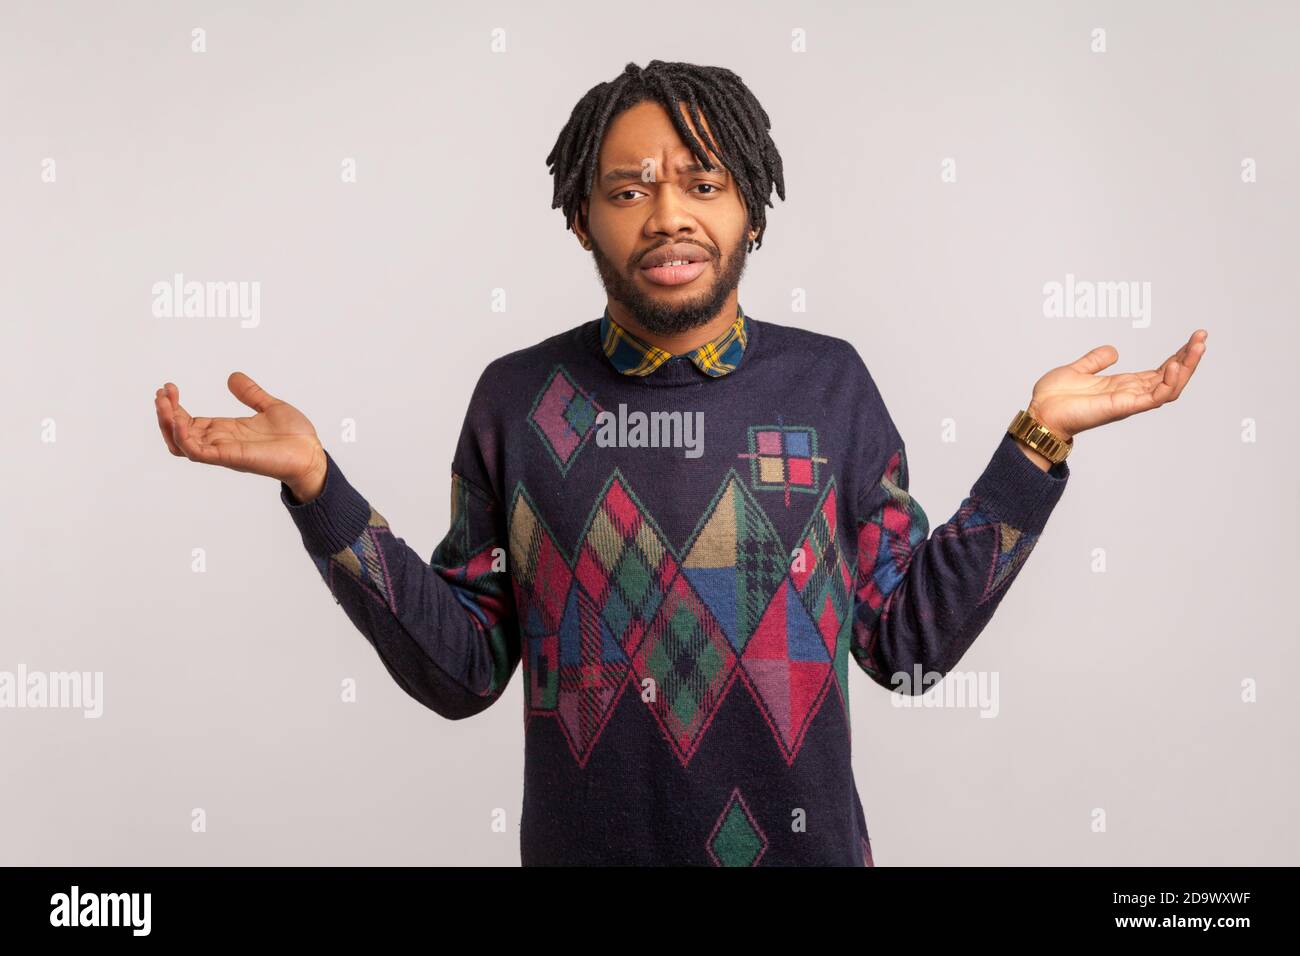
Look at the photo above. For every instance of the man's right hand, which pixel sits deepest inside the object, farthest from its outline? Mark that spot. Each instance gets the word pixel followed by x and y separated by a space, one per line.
pixel 278 442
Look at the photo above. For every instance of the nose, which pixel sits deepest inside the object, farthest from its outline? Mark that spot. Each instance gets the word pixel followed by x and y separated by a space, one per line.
pixel 669 215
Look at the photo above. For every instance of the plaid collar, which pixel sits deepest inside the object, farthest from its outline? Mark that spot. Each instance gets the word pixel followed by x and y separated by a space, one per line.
pixel 631 356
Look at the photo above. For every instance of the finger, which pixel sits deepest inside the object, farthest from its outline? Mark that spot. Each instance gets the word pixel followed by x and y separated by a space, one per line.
pixel 184 431
pixel 1124 404
pixel 164 423
pixel 1181 356
pixel 178 418
pixel 1174 363
pixel 1187 366
pixel 1177 369
pixel 162 406
pixel 165 413
pixel 249 392
pixel 1147 380
pixel 179 414
pixel 1177 356
pixel 1164 389
pixel 196 427
pixel 192 436
pixel 173 395
pixel 1094 361
pixel 229 452
pixel 1193 357
pixel 200 451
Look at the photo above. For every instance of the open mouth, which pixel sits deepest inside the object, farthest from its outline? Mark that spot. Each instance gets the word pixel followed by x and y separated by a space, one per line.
pixel 676 264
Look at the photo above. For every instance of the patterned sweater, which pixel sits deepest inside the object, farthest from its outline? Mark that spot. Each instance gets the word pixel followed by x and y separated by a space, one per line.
pixel 685 565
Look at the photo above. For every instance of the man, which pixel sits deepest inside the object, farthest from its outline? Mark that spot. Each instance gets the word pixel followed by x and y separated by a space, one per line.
pixel 684 520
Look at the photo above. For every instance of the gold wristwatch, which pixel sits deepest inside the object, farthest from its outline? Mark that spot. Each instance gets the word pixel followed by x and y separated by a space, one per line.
pixel 1041 439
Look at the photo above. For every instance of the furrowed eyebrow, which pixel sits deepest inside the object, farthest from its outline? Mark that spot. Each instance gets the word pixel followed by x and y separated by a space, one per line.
pixel 625 173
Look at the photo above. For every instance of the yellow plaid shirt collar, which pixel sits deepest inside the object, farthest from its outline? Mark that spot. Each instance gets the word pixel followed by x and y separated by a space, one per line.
pixel 631 356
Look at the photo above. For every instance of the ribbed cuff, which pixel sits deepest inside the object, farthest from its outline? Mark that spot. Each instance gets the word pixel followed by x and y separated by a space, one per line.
pixel 333 519
pixel 1016 490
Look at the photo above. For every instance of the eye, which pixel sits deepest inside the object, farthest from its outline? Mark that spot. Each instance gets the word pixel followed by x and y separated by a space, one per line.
pixel 711 186
pixel 626 192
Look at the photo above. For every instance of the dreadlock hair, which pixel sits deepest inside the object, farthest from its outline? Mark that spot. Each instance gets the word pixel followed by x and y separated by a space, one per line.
pixel 738 123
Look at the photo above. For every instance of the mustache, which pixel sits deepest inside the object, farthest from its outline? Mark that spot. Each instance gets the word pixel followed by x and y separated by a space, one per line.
pixel 708 250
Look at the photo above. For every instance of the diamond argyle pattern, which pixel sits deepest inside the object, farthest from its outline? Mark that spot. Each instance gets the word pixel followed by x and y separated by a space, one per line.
pixel 563 416
pixel 627 610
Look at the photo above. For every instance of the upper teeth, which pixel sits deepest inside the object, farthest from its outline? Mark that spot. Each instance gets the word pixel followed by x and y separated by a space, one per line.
pixel 676 262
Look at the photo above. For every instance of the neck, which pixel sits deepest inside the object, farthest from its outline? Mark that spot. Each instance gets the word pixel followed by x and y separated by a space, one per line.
pixel 680 342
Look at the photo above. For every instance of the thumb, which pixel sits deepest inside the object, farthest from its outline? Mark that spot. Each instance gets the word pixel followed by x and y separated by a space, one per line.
pixel 1096 360
pixel 249 392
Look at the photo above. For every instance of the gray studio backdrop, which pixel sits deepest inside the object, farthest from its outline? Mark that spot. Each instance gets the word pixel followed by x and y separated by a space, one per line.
pixel 378 171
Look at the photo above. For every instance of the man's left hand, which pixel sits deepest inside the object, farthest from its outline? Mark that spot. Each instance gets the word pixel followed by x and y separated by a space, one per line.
pixel 1074 398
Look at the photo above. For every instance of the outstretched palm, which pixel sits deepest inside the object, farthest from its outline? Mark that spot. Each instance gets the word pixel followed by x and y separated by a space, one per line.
pixel 278 442
pixel 1074 398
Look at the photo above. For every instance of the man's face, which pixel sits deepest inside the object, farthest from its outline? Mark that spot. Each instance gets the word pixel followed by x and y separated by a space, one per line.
pixel 683 210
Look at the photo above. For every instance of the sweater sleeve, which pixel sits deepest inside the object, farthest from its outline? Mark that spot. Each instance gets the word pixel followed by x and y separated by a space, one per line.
pixel 922 598
pixel 444 629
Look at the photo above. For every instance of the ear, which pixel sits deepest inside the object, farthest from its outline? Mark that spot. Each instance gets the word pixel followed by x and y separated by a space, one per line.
pixel 579 224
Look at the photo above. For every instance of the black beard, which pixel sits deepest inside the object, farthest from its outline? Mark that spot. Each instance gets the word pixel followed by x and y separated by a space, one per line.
pixel 667 319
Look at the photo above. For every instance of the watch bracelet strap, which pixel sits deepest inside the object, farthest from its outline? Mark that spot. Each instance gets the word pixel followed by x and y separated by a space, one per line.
pixel 1039 437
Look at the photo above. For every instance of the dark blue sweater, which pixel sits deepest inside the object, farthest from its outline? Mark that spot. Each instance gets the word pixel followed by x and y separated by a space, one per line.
pixel 685 589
